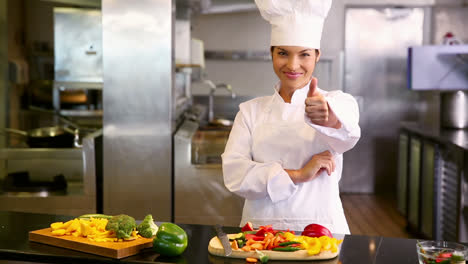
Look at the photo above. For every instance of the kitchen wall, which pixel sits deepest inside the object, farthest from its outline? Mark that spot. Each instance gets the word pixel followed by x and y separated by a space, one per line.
pixel 16 51
pixel 30 40
pixel 3 69
pixel 247 31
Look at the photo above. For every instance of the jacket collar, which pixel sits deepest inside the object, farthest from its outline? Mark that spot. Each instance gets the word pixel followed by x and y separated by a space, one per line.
pixel 298 97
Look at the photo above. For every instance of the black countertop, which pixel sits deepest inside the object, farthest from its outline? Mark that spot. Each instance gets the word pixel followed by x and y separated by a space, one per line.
pixel 457 137
pixel 14 245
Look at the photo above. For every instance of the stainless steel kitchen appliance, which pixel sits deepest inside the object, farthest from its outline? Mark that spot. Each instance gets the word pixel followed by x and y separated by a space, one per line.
pixel 454 109
pixel 443 68
pixel 78 59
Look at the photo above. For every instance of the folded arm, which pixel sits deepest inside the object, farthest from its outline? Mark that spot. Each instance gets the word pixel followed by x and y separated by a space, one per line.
pixel 246 177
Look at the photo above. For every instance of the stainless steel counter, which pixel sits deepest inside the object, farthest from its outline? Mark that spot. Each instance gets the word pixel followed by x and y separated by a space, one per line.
pixel 200 194
pixel 80 194
pixel 457 137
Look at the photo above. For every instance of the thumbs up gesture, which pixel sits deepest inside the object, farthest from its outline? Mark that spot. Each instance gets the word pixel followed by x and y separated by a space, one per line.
pixel 317 109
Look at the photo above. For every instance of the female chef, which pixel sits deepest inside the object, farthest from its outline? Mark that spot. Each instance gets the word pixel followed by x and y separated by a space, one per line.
pixel 285 151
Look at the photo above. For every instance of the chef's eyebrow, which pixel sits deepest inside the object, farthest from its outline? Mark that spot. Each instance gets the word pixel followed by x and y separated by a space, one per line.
pixel 299 51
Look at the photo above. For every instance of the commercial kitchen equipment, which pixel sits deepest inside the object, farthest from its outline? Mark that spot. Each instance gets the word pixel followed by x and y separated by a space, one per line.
pixel 146 97
pixel 200 194
pixel 141 116
pixel 376 42
pixel 213 87
pixel 47 137
pixel 443 68
pixel 78 58
pixel 78 167
pixel 433 183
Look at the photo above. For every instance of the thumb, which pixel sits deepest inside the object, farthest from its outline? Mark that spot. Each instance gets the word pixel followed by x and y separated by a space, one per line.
pixel 312 87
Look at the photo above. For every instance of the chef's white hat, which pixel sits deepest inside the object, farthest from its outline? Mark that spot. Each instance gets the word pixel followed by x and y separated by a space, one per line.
pixel 295 22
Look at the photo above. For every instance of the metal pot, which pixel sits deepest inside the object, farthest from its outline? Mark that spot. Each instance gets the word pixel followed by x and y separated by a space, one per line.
pixel 47 137
pixel 454 109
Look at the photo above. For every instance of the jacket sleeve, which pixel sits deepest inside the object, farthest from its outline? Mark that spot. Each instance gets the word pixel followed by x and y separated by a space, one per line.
pixel 346 110
pixel 246 177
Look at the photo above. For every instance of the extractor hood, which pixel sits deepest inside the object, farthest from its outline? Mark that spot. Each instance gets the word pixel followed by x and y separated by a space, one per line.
pixel 230 6
pixel 197 6
pixel 217 6
pixel 80 3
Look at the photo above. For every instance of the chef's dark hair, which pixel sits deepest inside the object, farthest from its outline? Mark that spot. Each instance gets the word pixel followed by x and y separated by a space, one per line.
pixel 272 48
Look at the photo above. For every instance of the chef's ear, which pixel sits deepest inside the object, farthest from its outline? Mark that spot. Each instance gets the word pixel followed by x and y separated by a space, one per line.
pixel 317 55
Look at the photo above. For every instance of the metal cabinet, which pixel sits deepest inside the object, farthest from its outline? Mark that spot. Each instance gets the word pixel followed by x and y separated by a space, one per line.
pixel 449 207
pixel 429 188
pixel 82 195
pixel 414 172
pixel 402 187
pixel 433 185
pixel 463 231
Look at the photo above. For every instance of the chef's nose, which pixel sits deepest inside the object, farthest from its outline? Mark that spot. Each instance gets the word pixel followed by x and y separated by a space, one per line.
pixel 293 63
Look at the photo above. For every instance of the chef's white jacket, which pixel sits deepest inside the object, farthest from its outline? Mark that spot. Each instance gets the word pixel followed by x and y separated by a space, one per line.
pixel 269 136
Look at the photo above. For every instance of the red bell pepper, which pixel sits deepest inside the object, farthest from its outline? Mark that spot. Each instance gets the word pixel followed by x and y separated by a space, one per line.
pixel 316 230
pixel 260 232
pixel 247 227
pixel 443 257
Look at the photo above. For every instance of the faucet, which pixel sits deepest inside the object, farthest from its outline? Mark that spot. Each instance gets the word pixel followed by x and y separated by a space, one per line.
pixel 213 88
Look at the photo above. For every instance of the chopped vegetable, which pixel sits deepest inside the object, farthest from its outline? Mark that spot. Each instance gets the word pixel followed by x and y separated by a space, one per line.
pixel 251 260
pixel 94 229
pixel 234 245
pixel 254 237
pixel 247 227
pixel 171 240
pixel 240 243
pixel 147 228
pixel 263 257
pixel 123 225
pixel 236 236
pixel 287 248
pixel 287 243
pixel 316 230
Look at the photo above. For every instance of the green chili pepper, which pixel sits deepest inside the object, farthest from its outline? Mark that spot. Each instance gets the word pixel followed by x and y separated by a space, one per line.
pixel 288 243
pixel 287 248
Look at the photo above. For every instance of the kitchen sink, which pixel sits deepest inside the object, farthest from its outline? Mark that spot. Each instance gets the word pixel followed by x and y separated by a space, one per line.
pixel 208 144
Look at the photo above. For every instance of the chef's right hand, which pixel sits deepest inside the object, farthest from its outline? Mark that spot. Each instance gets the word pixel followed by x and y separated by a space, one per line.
pixel 318 163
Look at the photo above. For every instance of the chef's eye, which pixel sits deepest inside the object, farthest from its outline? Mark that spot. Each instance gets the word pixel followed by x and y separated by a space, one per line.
pixel 305 54
pixel 282 53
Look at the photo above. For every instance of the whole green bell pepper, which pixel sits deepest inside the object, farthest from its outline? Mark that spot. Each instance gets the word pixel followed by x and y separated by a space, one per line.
pixel 170 240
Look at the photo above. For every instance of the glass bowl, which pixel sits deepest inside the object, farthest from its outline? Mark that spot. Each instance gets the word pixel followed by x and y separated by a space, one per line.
pixel 441 252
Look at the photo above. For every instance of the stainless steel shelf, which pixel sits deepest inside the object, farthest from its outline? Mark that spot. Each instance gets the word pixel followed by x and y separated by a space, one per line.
pixel 81 113
pixel 78 85
pixel 41 153
pixel 238 55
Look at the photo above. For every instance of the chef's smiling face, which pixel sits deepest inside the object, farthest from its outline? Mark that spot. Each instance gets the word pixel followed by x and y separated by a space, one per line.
pixel 294 65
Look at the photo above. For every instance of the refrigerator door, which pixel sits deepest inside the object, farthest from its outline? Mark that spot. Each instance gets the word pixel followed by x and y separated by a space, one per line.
pixel 376 43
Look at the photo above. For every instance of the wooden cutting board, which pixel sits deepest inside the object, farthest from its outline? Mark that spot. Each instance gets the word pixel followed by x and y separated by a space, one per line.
pixel 216 248
pixel 107 249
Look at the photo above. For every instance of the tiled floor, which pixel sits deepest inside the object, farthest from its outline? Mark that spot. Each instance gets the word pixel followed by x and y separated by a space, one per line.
pixel 373 215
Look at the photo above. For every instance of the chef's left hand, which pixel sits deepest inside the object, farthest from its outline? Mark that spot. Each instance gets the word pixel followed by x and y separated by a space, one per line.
pixel 317 108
